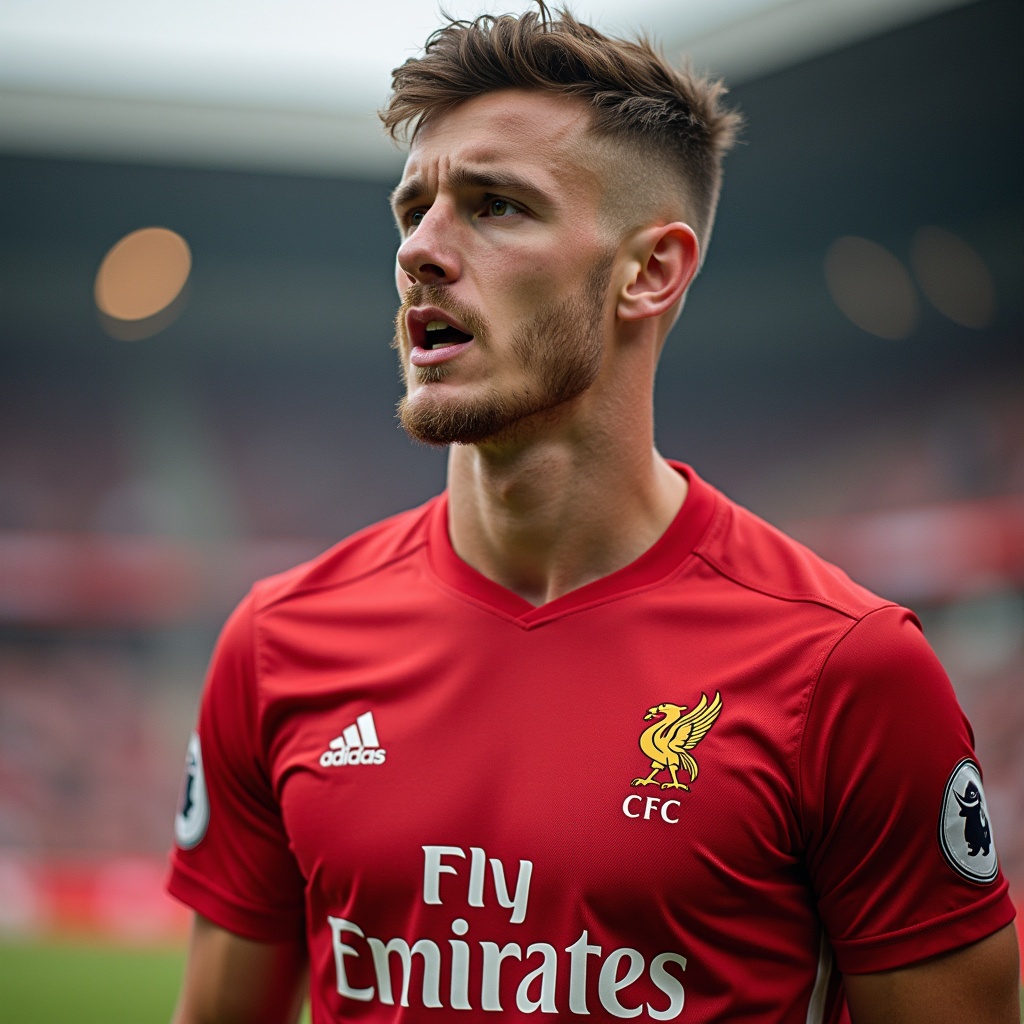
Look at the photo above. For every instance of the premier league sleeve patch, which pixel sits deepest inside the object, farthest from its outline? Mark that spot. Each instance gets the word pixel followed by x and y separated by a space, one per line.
pixel 965 833
pixel 194 807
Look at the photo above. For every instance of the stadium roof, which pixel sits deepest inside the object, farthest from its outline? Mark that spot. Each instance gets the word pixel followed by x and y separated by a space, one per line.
pixel 293 84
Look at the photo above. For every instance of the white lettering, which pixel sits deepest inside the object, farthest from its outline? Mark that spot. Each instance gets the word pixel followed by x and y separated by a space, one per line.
pixel 522 894
pixel 578 953
pixel 433 869
pixel 547 973
pixel 535 991
pixel 352 755
pixel 609 984
pixel 672 987
pixel 460 966
pixel 477 864
pixel 431 969
pixel 653 803
pixel 341 950
pixel 490 997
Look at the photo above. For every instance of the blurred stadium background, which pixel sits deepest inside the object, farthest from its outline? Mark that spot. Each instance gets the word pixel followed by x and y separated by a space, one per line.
pixel 850 365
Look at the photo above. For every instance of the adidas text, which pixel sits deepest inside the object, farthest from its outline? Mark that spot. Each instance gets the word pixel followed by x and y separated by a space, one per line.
pixel 357 744
pixel 358 755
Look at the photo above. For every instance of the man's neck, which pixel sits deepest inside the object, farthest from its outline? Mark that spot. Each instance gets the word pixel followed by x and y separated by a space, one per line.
pixel 549 517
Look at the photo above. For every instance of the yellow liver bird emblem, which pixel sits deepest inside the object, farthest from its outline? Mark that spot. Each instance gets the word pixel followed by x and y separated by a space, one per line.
pixel 669 741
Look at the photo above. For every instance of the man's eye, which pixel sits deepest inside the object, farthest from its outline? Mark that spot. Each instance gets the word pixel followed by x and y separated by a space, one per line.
pixel 415 218
pixel 500 208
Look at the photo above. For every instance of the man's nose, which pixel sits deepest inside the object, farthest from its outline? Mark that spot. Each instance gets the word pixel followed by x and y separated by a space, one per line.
pixel 428 255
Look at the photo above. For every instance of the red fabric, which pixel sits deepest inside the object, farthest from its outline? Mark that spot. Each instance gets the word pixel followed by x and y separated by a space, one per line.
pixel 511 738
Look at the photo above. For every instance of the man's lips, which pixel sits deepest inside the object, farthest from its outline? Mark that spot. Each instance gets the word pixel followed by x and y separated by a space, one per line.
pixel 431 343
pixel 419 318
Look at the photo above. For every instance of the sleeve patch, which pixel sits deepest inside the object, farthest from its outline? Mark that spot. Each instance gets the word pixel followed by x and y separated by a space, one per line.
pixel 194 806
pixel 965 832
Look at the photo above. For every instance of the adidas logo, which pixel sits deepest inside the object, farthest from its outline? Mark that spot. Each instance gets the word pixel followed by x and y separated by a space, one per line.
pixel 358 744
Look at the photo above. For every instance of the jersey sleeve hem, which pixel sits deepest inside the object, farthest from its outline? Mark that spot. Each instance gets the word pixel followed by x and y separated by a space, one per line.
pixel 940 935
pixel 261 924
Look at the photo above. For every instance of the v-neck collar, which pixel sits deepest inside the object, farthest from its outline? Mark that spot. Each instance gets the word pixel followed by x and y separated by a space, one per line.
pixel 659 561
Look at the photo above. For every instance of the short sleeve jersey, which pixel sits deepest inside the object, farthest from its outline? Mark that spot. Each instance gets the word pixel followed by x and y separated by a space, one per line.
pixel 699 789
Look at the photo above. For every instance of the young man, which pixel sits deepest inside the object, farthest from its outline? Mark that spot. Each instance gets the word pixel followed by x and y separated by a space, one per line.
pixel 579 737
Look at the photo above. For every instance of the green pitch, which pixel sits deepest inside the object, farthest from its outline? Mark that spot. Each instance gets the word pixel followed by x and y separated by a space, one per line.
pixel 93 983
pixel 88 983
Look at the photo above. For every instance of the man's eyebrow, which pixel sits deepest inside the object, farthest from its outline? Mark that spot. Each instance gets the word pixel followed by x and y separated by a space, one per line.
pixel 467 178
pixel 501 181
pixel 406 192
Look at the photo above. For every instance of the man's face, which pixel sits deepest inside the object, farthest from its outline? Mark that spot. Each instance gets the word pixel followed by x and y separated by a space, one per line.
pixel 503 270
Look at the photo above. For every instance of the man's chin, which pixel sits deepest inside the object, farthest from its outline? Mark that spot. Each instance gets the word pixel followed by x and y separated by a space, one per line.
pixel 493 424
pixel 441 424
pixel 435 421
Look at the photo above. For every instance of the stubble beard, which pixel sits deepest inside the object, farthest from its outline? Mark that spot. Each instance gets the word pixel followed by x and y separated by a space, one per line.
pixel 559 351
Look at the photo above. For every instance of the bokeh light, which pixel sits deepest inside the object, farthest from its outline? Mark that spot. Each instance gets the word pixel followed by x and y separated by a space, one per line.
pixel 954 277
pixel 140 282
pixel 871 287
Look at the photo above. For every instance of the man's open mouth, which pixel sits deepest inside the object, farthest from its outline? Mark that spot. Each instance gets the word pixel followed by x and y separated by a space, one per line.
pixel 438 333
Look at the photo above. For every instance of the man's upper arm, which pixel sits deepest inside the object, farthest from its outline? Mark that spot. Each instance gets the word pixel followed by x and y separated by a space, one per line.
pixel 900 877
pixel 233 980
pixel 979 984
pixel 232 861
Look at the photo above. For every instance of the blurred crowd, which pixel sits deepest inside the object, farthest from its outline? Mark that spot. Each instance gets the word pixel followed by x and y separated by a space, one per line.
pixel 96 704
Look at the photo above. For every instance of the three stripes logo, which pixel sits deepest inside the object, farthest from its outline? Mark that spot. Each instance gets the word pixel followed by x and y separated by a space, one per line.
pixel 358 744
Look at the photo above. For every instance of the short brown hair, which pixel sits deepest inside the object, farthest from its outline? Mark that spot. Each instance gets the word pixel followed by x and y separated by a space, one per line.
pixel 654 112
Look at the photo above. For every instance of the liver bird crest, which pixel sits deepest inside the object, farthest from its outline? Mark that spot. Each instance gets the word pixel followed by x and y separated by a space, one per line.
pixel 669 741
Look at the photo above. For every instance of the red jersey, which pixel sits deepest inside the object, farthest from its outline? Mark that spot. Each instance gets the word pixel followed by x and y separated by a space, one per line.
pixel 697 789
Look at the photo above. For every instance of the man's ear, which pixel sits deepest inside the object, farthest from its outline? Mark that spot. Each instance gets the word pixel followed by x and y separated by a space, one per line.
pixel 666 257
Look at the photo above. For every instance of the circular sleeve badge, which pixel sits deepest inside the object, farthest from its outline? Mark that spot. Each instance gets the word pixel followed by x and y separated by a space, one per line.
pixel 965 833
pixel 194 806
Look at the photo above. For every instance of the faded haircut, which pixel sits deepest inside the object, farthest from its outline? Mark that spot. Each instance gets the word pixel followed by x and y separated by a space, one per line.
pixel 651 116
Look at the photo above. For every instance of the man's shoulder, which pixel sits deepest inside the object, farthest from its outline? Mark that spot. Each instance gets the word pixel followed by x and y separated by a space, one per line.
pixel 758 556
pixel 363 554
